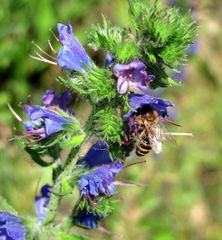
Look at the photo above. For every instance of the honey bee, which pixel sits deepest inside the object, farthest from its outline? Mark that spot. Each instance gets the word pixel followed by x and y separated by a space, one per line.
pixel 150 133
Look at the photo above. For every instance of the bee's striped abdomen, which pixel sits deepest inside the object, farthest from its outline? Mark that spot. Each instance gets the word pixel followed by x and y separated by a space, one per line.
pixel 143 147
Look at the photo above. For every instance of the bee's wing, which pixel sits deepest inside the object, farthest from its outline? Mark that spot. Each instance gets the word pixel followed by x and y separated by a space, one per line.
pixel 163 134
pixel 155 144
pixel 158 135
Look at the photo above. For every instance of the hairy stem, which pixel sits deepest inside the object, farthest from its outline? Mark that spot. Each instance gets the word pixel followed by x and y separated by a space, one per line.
pixel 70 173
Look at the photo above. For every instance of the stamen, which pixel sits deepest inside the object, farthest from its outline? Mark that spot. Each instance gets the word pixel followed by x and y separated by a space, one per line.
pixel 53 58
pixel 104 230
pixel 19 137
pixel 120 183
pixel 44 52
pixel 43 60
pixel 180 134
pixel 167 120
pixel 28 134
pixel 50 45
pixel 129 165
pixel 91 201
pixel 30 143
pixel 14 113
pixel 53 34
pixel 35 132
pixel 15 138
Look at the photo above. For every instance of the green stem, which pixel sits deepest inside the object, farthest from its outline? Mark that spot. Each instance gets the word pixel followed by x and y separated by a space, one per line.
pixel 56 196
pixel 57 192
pixel 69 173
pixel 74 151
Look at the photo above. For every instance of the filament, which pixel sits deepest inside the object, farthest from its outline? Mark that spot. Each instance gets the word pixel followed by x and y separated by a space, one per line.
pixel 14 113
pixel 53 34
pixel 53 58
pixel 38 140
pixel 50 45
pixel 179 134
pixel 42 59
pixel 120 183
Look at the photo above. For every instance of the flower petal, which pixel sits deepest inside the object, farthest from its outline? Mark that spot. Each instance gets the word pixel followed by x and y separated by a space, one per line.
pixel 138 101
pixel 132 77
pixel 97 155
pixel 72 54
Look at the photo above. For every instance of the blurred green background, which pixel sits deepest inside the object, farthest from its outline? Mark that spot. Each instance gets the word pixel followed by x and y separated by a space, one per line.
pixel 184 193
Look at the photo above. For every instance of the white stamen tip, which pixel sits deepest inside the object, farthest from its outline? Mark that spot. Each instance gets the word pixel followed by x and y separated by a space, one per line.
pixel 181 134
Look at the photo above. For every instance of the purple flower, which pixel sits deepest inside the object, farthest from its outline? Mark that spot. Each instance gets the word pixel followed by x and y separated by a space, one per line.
pixel 72 55
pixel 100 181
pixel 132 77
pixel 43 121
pixel 144 103
pixel 42 201
pixel 11 227
pixel 51 99
pixel 97 155
pixel 86 219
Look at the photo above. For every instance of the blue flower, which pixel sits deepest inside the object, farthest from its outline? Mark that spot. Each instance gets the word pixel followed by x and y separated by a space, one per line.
pixel 132 77
pixel 51 99
pixel 144 103
pixel 97 155
pixel 42 201
pixel 86 219
pixel 11 227
pixel 100 181
pixel 43 121
pixel 72 55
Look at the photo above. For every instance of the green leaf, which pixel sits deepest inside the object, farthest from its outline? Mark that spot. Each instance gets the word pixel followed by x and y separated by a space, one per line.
pixel 166 33
pixel 96 85
pixel 7 206
pixel 119 41
pixel 73 142
pixel 109 125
